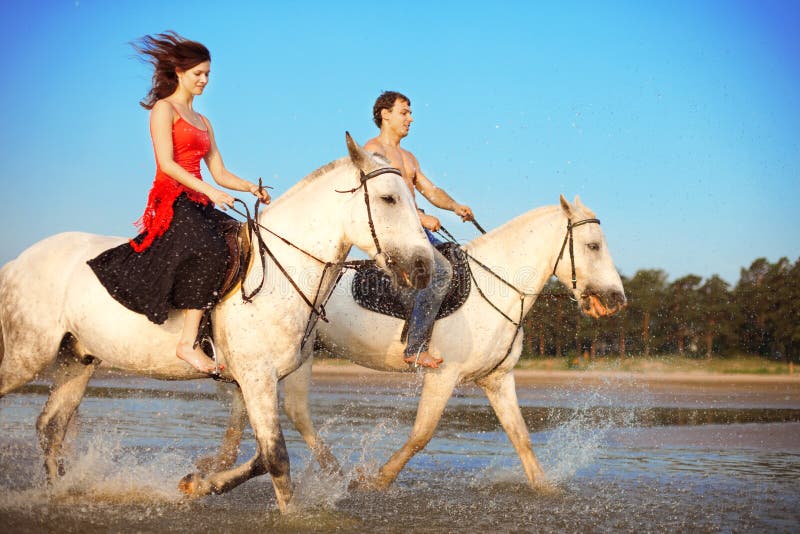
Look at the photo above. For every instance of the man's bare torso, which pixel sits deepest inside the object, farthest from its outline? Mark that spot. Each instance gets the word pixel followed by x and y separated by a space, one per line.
pixel 398 157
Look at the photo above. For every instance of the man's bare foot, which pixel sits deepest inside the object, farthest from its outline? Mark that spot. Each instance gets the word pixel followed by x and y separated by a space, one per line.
pixel 424 359
pixel 196 358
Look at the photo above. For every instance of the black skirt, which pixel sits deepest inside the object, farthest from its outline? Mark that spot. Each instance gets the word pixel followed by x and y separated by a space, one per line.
pixel 182 269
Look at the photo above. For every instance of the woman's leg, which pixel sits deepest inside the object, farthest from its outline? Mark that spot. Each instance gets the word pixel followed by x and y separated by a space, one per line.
pixel 186 350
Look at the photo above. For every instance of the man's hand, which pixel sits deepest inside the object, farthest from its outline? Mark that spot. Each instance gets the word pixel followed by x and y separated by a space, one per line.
pixel 465 212
pixel 430 222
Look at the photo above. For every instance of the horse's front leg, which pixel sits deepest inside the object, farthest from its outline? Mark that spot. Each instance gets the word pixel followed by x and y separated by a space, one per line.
pixel 501 391
pixel 437 388
pixel 295 404
pixel 259 385
pixel 229 450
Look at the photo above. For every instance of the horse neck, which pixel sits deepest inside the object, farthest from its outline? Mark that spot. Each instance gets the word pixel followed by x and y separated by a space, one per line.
pixel 309 217
pixel 522 252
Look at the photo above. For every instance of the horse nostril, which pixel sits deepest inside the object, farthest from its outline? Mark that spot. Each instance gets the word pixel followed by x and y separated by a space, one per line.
pixel 617 299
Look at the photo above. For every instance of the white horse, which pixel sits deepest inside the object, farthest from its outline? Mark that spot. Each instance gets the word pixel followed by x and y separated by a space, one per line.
pixel 53 307
pixel 481 342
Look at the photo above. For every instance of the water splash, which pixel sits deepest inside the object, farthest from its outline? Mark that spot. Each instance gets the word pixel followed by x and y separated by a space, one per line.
pixel 578 442
pixel 102 471
pixel 316 488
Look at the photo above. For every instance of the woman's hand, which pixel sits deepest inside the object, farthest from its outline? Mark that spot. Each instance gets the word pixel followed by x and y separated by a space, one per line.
pixel 221 199
pixel 260 192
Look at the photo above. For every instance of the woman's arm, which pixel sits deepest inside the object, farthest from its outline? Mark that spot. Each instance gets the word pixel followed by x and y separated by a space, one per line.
pixel 161 118
pixel 223 176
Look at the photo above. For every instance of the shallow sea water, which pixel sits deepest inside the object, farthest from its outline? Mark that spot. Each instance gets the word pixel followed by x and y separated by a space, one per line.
pixel 622 457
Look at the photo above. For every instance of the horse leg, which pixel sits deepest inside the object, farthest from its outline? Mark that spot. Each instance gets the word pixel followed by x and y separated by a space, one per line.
pixel 229 450
pixel 295 404
pixel 260 391
pixel 501 391
pixel 24 353
pixel 70 378
pixel 437 389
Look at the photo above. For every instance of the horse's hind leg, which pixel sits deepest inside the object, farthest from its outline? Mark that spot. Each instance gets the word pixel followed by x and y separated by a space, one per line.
pixel 70 377
pixel 21 362
pixel 502 394
pixel 296 386
pixel 27 347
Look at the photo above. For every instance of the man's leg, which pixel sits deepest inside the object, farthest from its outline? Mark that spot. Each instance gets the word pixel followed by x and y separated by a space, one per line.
pixel 426 306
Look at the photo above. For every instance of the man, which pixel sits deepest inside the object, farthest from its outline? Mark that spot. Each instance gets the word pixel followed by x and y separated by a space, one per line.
pixel 392 114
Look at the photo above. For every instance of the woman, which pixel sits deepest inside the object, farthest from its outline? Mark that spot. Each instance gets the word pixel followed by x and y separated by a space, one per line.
pixel 179 259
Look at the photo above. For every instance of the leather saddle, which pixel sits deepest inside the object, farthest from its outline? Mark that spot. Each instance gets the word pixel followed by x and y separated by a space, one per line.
pixel 237 237
pixel 372 288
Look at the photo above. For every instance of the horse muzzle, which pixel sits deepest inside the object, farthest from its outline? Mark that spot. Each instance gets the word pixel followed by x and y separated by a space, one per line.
pixel 414 273
pixel 596 303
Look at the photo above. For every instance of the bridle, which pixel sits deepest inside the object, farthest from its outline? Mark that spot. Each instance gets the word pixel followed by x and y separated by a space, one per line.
pixel 364 179
pixel 316 311
pixel 568 235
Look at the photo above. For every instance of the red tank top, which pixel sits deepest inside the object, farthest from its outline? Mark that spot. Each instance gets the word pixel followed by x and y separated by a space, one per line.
pixel 189 145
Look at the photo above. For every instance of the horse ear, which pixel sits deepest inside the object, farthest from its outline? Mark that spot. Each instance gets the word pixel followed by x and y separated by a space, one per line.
pixel 577 202
pixel 565 206
pixel 358 155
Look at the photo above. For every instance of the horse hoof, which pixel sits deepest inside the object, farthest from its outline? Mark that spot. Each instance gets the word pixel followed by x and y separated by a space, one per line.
pixel 190 485
pixel 547 489
pixel 364 481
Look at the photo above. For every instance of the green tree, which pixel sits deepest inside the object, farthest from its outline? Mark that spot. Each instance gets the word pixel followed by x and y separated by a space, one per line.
pixel 646 294
pixel 683 305
pixel 780 303
pixel 717 315
pixel 750 296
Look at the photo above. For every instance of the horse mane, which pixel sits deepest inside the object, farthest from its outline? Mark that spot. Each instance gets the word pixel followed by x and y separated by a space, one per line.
pixel 525 219
pixel 312 176
pixel 520 220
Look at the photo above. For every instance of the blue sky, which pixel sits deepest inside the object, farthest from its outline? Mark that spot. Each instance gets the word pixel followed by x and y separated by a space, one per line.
pixel 677 122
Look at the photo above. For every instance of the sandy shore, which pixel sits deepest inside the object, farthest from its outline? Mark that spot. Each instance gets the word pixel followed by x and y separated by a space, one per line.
pixel 343 370
pixel 678 388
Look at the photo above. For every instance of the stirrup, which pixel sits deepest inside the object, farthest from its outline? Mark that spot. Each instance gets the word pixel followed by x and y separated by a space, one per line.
pixel 215 374
pixel 415 364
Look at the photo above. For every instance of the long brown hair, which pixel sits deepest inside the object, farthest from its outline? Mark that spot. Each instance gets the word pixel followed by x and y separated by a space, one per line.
pixel 166 52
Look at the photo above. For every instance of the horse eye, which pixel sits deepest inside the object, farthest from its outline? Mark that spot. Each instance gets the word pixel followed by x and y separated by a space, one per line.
pixel 389 199
pixel 594 246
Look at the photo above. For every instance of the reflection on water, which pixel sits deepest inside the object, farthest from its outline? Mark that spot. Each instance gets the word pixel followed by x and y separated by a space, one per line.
pixel 621 461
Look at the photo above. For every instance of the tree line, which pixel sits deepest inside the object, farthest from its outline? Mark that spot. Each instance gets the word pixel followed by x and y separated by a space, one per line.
pixel 690 316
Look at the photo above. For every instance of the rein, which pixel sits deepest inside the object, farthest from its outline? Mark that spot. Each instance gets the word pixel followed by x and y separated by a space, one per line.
pixel 316 311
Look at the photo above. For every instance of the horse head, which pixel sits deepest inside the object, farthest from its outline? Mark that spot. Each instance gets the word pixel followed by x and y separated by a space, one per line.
pixel 382 220
pixel 585 265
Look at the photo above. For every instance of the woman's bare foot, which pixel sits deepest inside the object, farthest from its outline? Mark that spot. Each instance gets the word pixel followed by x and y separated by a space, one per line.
pixel 424 359
pixel 196 358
